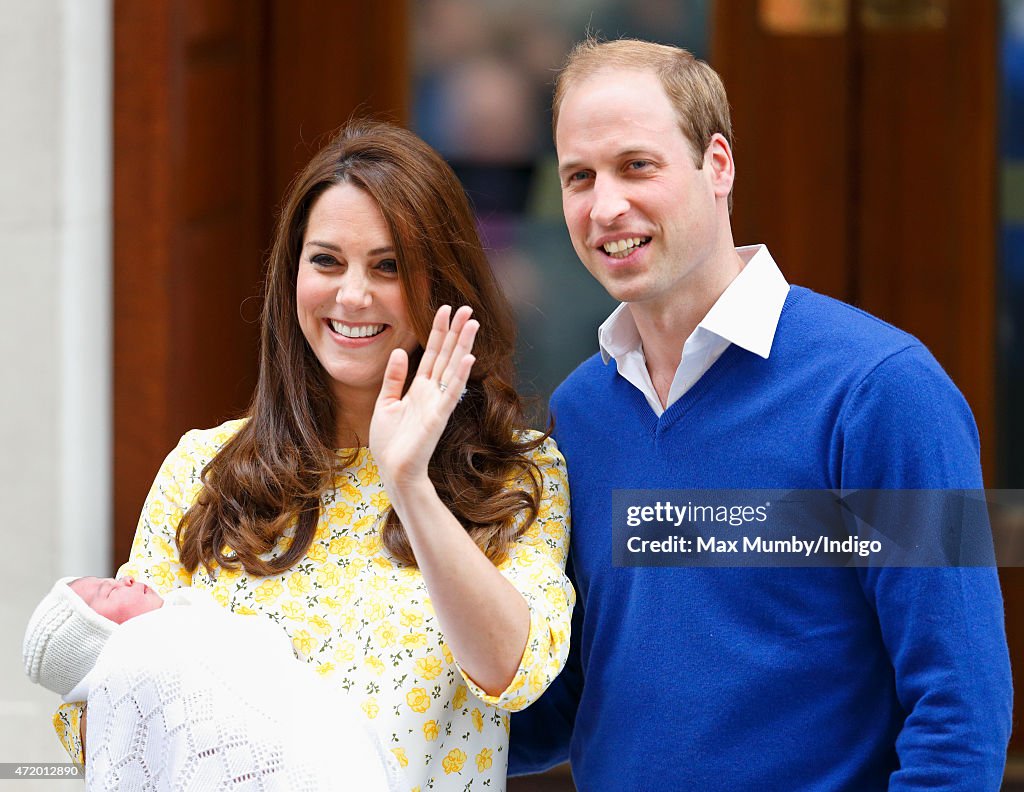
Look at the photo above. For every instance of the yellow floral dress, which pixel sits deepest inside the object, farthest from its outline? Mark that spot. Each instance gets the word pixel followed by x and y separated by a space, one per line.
pixel 367 621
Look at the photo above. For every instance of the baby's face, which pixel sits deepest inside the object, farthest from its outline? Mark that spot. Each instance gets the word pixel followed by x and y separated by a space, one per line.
pixel 118 600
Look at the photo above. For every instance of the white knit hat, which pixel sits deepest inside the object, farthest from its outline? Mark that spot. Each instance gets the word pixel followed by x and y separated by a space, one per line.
pixel 63 639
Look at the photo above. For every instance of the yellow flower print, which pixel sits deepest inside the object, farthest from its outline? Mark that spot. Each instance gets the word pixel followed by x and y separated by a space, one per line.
pixel 478 719
pixel 375 609
pixel 328 575
pixel 556 596
pixel 156 515
pixel 268 591
pixel 162 575
pixel 380 583
pixel 364 523
pixel 184 576
pixel 460 696
pixel 367 475
pixel 484 760
pixel 518 703
pixel 399 753
pixel 411 618
pixel 323 531
pixel 428 667
pixel 370 546
pixel 304 643
pixel 163 546
pixel 454 761
pixel 386 634
pixel 371 708
pixel 221 595
pixel 448 657
pixel 380 501
pixel 341 512
pixel 505 723
pixel 418 700
pixel 374 663
pixel 284 543
pixel 342 546
pixel 317 552
pixel 348 492
pixel 245 610
pixel 298 584
pixel 554 529
pixel 351 571
pixel 320 624
pixel 414 641
pixel 325 669
pixel 538 678
pixel 293 610
pixel 345 652
pixel 430 730
pixel 383 563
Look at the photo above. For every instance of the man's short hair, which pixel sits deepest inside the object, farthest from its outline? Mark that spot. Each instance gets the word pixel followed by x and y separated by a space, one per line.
pixel 694 88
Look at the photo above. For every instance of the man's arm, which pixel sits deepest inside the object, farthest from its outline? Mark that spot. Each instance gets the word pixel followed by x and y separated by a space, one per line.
pixel 907 427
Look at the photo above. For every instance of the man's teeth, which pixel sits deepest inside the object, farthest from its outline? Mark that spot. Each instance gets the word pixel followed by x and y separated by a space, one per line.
pixel 621 248
pixel 356 331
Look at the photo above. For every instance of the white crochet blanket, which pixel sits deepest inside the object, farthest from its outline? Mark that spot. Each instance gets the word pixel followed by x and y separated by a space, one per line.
pixel 196 698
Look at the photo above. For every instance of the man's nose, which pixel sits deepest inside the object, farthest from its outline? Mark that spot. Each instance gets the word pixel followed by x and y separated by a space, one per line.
pixel 610 201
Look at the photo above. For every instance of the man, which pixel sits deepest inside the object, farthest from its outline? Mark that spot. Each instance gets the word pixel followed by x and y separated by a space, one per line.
pixel 716 374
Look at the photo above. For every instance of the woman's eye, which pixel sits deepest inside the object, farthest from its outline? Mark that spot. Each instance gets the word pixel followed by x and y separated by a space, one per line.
pixel 388 265
pixel 322 260
pixel 639 164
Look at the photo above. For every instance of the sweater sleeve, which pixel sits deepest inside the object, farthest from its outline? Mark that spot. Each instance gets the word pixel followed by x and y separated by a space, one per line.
pixel 154 556
pixel 536 567
pixel 907 427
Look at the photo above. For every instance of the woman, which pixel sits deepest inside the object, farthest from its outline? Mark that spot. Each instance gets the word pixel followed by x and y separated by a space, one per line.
pixel 425 571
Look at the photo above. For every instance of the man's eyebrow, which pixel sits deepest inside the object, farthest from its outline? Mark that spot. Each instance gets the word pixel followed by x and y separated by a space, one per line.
pixel 645 152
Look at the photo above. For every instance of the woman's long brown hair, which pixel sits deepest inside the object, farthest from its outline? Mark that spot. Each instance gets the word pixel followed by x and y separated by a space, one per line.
pixel 275 470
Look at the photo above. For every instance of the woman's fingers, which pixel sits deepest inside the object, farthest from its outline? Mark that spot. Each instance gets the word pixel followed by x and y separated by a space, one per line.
pixel 451 341
pixel 443 342
pixel 456 372
pixel 394 377
pixel 438 331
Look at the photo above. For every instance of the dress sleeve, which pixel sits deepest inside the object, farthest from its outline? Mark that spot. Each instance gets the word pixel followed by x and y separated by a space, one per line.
pixel 154 556
pixel 536 567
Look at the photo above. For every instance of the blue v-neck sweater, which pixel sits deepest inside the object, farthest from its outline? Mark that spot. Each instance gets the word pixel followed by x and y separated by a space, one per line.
pixel 775 679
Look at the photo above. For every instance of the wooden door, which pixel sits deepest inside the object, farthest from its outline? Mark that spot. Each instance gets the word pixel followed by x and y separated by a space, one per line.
pixel 217 104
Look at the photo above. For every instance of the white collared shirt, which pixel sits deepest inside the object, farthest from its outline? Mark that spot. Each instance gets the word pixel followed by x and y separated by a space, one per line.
pixel 746 314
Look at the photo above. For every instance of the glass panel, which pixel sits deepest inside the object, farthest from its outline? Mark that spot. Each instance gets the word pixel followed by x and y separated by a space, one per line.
pixel 482 96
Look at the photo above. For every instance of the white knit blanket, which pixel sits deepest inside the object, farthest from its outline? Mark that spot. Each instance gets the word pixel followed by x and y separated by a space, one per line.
pixel 196 698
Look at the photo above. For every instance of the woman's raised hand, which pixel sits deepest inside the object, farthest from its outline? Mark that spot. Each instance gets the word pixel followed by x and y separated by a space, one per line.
pixel 404 430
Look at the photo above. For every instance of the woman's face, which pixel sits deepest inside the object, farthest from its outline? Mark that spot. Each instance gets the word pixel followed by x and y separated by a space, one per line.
pixel 348 293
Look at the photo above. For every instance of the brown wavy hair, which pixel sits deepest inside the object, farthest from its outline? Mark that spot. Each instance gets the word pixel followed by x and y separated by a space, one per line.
pixel 275 470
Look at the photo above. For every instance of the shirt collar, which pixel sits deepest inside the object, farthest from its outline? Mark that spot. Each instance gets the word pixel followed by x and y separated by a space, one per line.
pixel 747 314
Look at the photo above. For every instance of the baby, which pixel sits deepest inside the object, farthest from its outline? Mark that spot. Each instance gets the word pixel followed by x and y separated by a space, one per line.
pixel 195 697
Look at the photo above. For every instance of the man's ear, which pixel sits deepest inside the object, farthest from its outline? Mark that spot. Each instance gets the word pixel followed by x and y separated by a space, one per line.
pixel 718 160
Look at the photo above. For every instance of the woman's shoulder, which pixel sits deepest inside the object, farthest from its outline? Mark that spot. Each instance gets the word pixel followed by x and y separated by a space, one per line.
pixel 206 443
pixel 546 453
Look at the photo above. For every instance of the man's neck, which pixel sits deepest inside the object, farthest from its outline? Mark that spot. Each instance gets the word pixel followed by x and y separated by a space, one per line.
pixel 665 326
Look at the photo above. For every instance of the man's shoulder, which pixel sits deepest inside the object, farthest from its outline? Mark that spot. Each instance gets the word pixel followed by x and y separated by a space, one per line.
pixel 843 334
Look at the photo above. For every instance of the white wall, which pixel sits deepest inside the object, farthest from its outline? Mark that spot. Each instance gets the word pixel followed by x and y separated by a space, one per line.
pixel 55 330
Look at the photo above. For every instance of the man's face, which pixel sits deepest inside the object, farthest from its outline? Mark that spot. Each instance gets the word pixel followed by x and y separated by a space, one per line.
pixel 118 600
pixel 642 216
